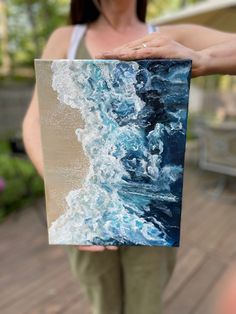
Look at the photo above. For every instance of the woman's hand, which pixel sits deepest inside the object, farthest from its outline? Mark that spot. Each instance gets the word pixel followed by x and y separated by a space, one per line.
pixel 96 248
pixel 155 46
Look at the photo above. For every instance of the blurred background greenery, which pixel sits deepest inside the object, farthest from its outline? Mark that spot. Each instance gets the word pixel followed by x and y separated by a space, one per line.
pixel 19 183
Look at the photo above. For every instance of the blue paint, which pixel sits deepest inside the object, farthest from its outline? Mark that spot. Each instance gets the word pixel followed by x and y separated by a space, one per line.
pixel 135 116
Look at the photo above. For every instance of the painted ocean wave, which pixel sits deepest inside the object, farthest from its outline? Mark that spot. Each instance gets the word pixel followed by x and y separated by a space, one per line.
pixel 134 136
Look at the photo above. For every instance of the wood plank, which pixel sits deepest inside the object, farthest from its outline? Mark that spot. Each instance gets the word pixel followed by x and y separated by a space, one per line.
pixel 186 266
pixel 34 290
pixel 195 289
pixel 206 305
pixel 78 306
pixel 219 230
pixel 39 273
pixel 59 301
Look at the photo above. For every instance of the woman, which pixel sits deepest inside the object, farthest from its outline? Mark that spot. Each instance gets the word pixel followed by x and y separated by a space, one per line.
pixel 125 280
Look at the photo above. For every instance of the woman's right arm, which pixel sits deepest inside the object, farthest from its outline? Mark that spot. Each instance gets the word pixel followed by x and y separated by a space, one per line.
pixel 56 48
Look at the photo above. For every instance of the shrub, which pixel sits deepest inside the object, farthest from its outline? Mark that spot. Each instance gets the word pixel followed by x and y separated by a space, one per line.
pixel 20 184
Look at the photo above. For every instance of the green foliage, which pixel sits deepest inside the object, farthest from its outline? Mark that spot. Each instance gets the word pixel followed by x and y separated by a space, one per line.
pixel 190 133
pixel 22 184
pixel 160 7
pixel 30 23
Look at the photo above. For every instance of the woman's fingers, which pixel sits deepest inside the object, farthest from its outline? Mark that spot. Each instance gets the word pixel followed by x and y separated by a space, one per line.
pixel 140 41
pixel 157 48
pixel 142 53
pixel 154 37
pixel 153 49
pixel 112 248
pixel 121 50
pixel 91 248
pixel 152 40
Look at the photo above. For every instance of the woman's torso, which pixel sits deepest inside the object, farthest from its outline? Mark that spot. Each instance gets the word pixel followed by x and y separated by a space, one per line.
pixel 78 48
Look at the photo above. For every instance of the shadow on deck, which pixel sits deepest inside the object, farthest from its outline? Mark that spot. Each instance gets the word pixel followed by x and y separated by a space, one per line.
pixel 35 278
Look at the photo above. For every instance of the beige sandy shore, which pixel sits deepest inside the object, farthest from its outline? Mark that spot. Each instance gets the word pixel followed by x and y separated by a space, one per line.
pixel 66 165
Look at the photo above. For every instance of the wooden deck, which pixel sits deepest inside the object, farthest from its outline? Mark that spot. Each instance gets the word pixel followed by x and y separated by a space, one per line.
pixel 35 278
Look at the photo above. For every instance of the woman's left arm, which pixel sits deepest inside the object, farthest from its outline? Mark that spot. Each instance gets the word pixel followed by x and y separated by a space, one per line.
pixel 217 48
pixel 211 51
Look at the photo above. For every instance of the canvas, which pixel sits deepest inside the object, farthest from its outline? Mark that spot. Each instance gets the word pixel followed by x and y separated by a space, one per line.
pixel 113 138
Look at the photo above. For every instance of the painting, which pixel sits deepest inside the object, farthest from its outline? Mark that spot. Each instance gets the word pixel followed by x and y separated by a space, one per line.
pixel 113 136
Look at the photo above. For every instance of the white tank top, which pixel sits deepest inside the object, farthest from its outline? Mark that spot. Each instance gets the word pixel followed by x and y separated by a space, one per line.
pixel 78 33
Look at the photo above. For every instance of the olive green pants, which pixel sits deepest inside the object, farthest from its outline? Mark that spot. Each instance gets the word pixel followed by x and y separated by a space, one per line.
pixel 128 281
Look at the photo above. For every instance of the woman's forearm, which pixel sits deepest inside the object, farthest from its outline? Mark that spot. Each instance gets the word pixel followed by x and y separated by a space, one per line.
pixel 220 58
pixel 32 135
pixel 32 142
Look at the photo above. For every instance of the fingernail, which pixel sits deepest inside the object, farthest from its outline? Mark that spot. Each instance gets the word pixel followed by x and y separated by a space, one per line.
pixel 106 53
pixel 112 248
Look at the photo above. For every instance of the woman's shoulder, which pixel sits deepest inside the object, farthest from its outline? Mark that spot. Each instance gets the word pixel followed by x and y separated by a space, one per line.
pixel 58 43
pixel 62 31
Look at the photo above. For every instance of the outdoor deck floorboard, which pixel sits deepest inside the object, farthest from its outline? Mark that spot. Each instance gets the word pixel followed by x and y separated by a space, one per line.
pixel 36 279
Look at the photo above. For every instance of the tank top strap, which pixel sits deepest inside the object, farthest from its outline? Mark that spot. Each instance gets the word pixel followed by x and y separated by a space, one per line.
pixel 152 28
pixel 76 36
